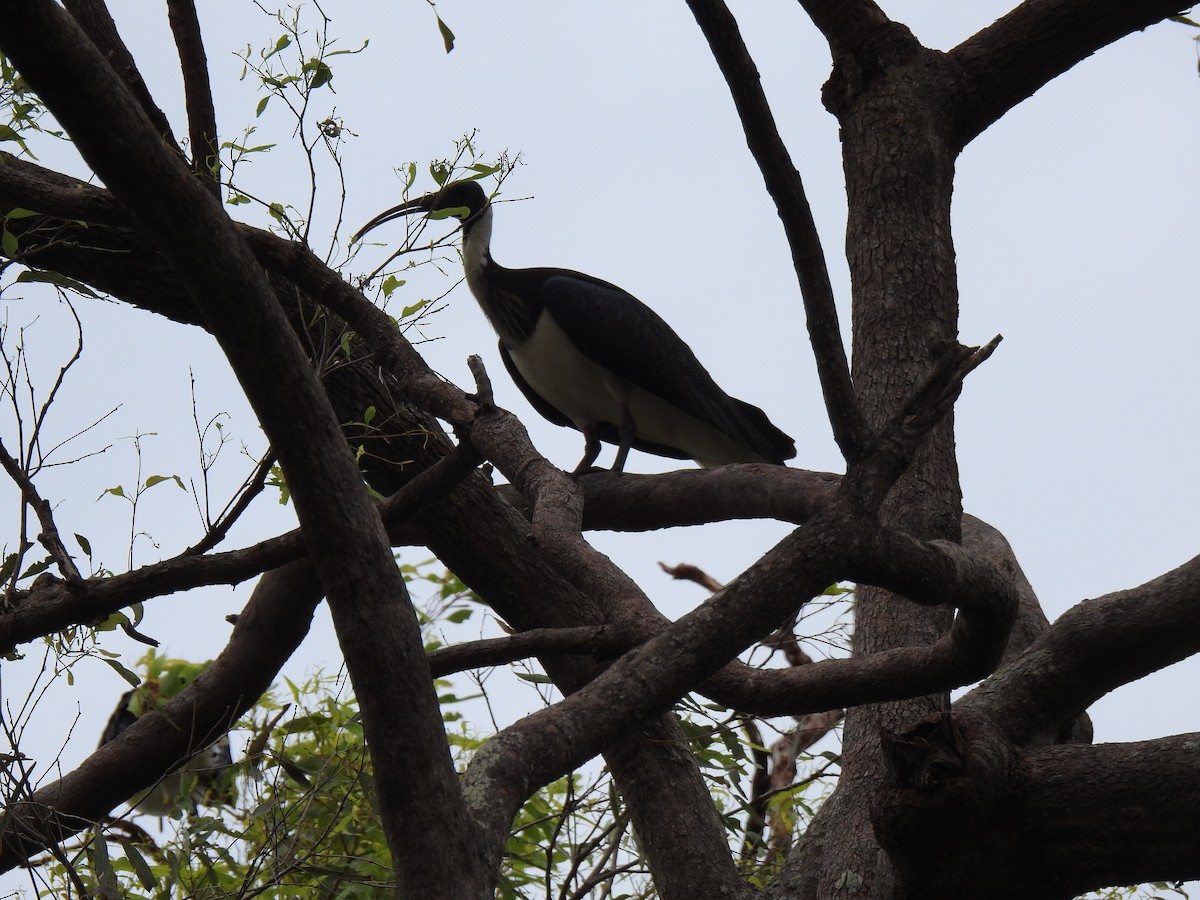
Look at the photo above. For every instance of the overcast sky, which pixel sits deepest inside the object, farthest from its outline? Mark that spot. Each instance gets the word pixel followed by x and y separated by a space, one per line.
pixel 1074 226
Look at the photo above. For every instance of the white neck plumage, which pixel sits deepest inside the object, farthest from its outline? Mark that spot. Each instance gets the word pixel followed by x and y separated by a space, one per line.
pixel 477 238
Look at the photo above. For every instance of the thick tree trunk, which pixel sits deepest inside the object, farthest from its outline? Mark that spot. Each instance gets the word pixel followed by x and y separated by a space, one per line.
pixel 899 175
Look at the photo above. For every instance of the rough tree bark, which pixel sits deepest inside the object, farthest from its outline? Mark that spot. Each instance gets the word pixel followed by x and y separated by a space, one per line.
pixel 999 795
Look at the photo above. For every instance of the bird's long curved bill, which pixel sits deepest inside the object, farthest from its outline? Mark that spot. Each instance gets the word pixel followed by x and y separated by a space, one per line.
pixel 420 205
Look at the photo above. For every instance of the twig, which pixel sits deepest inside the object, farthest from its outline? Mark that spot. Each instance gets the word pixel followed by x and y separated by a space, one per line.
pixel 49 536
pixel 251 488
pixel 689 572
pixel 42 612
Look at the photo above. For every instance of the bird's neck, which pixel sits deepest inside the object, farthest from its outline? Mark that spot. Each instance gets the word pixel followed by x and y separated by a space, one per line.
pixel 513 314
pixel 476 251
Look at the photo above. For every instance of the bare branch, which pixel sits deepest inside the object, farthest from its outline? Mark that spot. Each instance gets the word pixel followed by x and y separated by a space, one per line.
pixel 631 502
pixel 202 117
pixel 1039 40
pixel 871 478
pixel 1094 647
pixel 51 607
pixel 49 536
pixel 846 24
pixel 97 22
pixel 542 642
pixel 689 572
pixel 787 190
pixel 251 488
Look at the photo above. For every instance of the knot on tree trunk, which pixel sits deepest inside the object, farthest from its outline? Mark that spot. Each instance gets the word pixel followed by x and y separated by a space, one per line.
pixel 954 783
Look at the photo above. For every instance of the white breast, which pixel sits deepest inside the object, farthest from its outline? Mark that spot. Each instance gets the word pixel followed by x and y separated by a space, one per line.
pixel 587 394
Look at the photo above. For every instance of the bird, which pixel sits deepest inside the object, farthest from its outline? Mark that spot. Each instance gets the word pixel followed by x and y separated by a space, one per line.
pixel 591 356
pixel 198 781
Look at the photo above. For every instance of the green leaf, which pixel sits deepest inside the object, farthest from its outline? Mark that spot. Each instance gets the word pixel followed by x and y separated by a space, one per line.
pixel 132 677
pixel 37 568
pixel 440 172
pixel 237 199
pixel 140 867
pixel 534 678
pixel 84 544
pixel 293 771
pixel 459 616
pixel 19 213
pixel 106 877
pixel 457 211
pixel 9 566
pixel 369 414
pixel 111 623
pixel 416 307
pixel 262 104
pixel 284 42
pixel 117 491
pixel 62 281
pixel 319 73
pixel 447 34
pixel 390 284
pixel 8 242
pixel 159 479
pixel 8 133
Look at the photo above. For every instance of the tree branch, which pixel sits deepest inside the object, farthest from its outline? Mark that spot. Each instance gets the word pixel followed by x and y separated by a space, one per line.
pixel 542 642
pixel 53 606
pixel 97 22
pixel 1094 647
pixel 784 185
pixel 937 573
pixel 202 117
pixel 1073 820
pixel 250 489
pixel 272 625
pixel 846 23
pixel 1008 61
pixel 49 536
pixel 1054 820
pixel 423 813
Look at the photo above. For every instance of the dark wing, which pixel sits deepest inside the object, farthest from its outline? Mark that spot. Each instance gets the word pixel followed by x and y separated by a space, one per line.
pixel 121 719
pixel 605 431
pixel 607 323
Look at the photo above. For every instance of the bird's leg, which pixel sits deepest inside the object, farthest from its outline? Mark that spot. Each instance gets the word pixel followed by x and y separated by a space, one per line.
pixel 626 433
pixel 591 449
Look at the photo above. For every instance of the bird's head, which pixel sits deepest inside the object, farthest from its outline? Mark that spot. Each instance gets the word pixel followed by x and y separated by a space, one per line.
pixel 462 200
